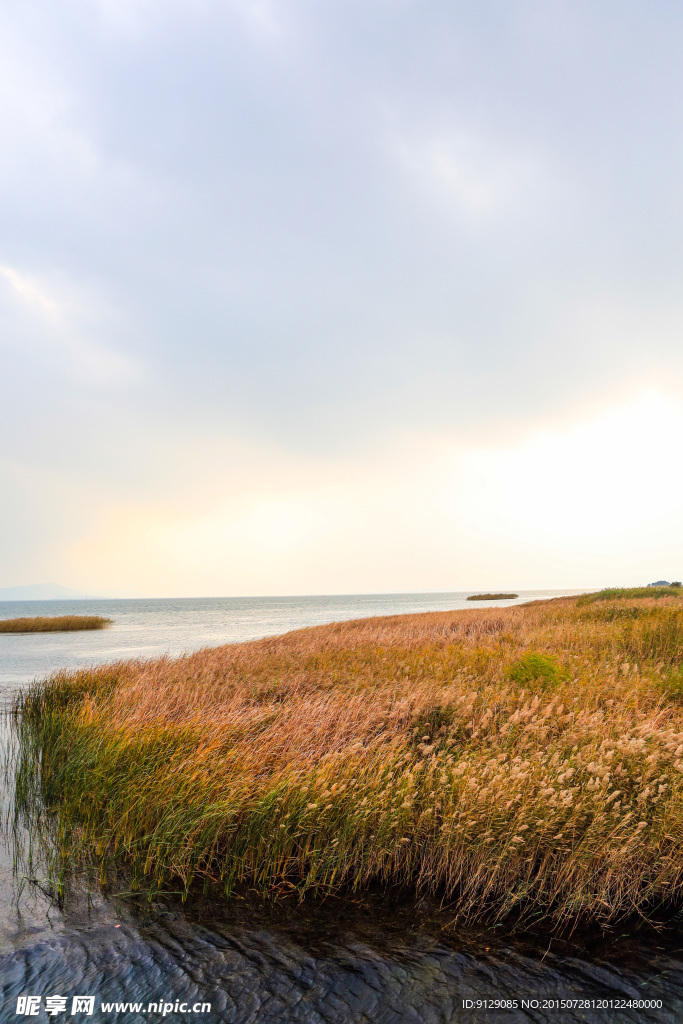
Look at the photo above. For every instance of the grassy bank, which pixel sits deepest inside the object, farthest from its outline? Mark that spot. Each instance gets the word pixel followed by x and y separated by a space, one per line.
pixel 628 593
pixel 53 624
pixel 519 758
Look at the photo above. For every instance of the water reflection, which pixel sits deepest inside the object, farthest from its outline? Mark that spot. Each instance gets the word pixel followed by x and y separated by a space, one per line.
pixel 332 963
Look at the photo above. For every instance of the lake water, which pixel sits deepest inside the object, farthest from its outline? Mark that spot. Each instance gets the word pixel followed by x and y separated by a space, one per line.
pixel 148 628
pixel 337 962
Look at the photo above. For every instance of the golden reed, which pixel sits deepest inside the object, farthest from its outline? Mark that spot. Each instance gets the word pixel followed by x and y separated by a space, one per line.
pixel 526 759
pixel 53 623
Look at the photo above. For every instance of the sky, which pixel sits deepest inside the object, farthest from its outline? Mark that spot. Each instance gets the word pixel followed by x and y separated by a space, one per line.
pixel 341 297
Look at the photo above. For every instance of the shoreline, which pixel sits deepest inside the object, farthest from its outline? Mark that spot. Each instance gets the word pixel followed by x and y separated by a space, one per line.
pixel 426 751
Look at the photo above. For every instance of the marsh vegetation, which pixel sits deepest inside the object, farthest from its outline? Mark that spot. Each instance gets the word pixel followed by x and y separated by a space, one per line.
pixel 492 597
pixel 514 760
pixel 628 593
pixel 53 623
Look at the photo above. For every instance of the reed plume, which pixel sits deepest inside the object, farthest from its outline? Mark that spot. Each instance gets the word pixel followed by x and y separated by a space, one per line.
pixel 526 758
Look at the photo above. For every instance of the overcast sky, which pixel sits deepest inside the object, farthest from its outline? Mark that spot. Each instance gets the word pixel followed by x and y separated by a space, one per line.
pixel 317 297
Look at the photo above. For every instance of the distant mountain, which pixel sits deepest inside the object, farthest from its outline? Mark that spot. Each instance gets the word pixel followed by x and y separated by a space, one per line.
pixel 41 592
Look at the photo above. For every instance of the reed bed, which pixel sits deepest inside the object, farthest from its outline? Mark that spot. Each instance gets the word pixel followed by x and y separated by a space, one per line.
pixel 516 760
pixel 626 593
pixel 53 623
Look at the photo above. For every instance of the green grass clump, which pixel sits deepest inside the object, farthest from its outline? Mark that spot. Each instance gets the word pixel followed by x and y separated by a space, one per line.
pixel 536 668
pixel 492 597
pixel 53 624
pixel 527 758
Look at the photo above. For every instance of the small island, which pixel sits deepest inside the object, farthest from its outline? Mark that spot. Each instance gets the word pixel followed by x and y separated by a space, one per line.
pixel 53 623
pixel 492 597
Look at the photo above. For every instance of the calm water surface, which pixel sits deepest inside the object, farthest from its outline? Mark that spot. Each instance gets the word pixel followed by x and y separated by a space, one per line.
pixel 144 629
pixel 333 962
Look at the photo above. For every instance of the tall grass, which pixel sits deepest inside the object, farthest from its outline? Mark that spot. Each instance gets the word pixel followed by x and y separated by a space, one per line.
pixel 53 624
pixel 628 593
pixel 526 759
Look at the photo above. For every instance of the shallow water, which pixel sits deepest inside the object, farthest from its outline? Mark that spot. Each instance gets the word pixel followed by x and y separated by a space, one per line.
pixel 334 962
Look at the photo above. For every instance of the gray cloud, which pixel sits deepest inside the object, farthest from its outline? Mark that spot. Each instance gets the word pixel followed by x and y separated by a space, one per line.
pixel 312 224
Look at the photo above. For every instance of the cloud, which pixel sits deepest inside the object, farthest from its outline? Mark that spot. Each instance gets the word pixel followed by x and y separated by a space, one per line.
pixel 467 175
pixel 261 15
pixel 38 113
pixel 593 483
pixel 393 249
pixel 59 326
pixel 130 18
pixel 30 291
pixel 133 19
pixel 557 508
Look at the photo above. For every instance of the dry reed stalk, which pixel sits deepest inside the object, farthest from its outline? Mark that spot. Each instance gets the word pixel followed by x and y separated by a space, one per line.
pixel 400 750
